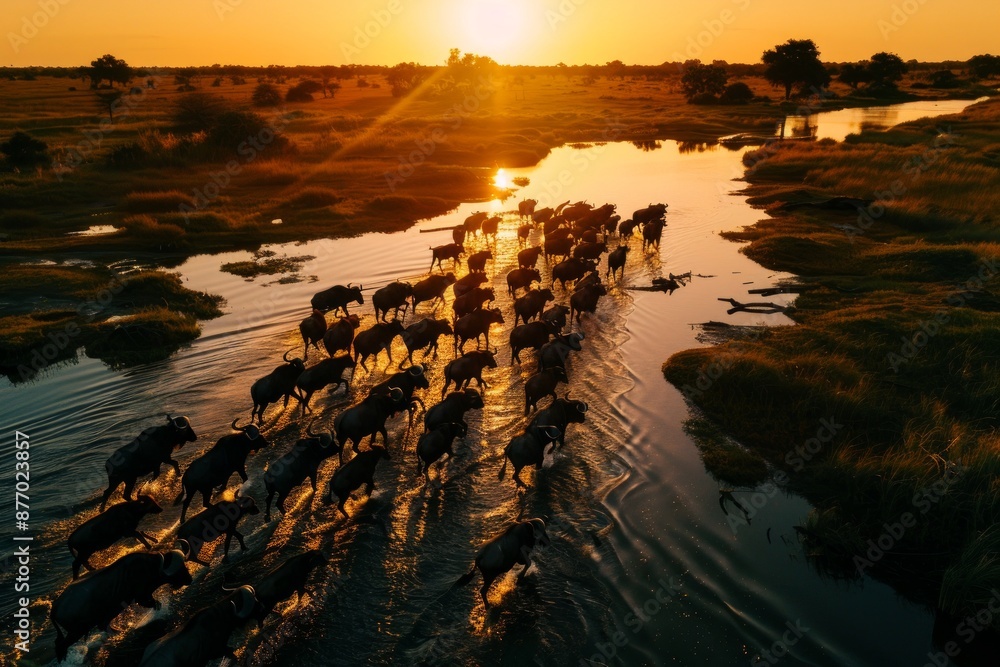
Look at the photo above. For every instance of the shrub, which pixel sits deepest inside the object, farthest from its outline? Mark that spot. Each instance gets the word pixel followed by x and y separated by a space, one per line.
pixel 302 92
pixel 266 95
pixel 704 98
pixel 198 112
pixel 736 93
pixel 23 150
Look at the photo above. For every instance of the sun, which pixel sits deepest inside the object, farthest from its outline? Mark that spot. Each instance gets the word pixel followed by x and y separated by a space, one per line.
pixel 496 28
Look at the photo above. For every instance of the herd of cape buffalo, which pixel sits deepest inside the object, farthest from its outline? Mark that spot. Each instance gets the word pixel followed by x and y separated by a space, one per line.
pixel 575 240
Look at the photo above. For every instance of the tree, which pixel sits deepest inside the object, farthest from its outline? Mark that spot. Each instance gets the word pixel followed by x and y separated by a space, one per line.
pixel 984 66
pixel 266 95
pixel 944 78
pixel 703 80
pixel 302 92
pixel 198 112
pixel 885 70
pixel 107 67
pixel 795 62
pixel 854 74
pixel 736 93
pixel 615 69
pixel 405 77
pixel 109 100
pixel 23 150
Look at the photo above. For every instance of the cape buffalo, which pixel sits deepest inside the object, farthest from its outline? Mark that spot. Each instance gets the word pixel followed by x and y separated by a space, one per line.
pixel 145 454
pixel 367 419
pixel 473 300
pixel 527 449
pixel 590 250
pixel 651 212
pixel 503 552
pixel 585 300
pixel 468 282
pixel 491 225
pixel 530 335
pixel 474 325
pixel 340 335
pixel 352 475
pixel 113 524
pixel 425 334
pixel 571 270
pixel 526 208
pixel 542 384
pixel 327 372
pixel 556 351
pixel 372 341
pixel 407 381
pixel 558 247
pixel 396 296
pixel 616 260
pixel 519 278
pixel 453 408
pixel 528 258
pixel 301 463
pixel 532 304
pixel 458 234
pixel 542 214
pixel 561 413
pixel 556 317
pixel 627 228
pixel 431 288
pixel 205 637
pixel 213 469
pixel 277 384
pixel 312 329
pixel 337 297
pixel 451 251
pixel 435 444
pixel 651 233
pixel 523 232
pixel 475 221
pixel 477 261
pixel 284 581
pixel 98 598
pixel 214 521
pixel 468 367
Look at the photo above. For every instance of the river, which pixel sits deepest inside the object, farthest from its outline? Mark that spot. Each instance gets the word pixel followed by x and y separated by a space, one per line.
pixel 644 568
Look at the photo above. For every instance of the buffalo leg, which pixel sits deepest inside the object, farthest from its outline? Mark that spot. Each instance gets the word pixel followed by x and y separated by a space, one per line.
pixel 517 477
pixel 129 487
pixel 340 506
pixel 142 537
pixel 267 508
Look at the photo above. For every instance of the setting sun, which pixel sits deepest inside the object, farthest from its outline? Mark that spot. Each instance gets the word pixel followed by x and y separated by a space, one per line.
pixel 495 28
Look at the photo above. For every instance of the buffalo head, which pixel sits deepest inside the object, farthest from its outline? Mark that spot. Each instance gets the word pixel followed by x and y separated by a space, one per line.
pixel 538 531
pixel 182 429
pixel 173 566
pixel 294 361
pixel 473 399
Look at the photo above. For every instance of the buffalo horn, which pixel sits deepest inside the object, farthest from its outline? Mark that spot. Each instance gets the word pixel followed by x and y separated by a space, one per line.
pixel 309 428
pixel 234 426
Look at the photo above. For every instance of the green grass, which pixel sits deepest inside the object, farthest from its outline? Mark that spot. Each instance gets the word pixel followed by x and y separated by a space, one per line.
pixel 897 344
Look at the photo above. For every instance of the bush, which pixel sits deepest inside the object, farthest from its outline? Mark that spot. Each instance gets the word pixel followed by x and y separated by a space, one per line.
pixel 266 95
pixel 736 93
pixel 128 156
pixel 701 80
pixel 704 98
pixel 303 91
pixel 23 150
pixel 198 112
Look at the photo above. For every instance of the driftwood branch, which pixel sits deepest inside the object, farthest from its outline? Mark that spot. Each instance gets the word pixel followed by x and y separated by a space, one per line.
pixel 782 289
pixel 758 307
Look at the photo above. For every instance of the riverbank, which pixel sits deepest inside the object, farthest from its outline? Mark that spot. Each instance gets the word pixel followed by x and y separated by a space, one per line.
pixel 879 407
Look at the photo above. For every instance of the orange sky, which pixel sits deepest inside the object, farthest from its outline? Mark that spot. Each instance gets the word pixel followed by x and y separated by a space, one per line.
pixel 290 32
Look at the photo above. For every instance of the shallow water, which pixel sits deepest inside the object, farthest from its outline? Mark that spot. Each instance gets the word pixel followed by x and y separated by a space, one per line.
pixel 632 511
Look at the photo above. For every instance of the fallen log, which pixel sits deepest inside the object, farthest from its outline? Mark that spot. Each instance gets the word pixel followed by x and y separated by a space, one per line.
pixel 782 289
pixel 759 307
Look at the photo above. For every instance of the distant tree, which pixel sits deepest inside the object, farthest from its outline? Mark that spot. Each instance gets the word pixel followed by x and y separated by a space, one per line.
pixel 616 69
pixel 198 112
pixel 404 78
pixel 984 66
pixel 107 67
pixel 885 70
pixel 185 78
pixel 266 95
pixel 944 78
pixel 109 100
pixel 854 74
pixel 736 93
pixel 700 80
pixel 796 62
pixel 302 91
pixel 23 150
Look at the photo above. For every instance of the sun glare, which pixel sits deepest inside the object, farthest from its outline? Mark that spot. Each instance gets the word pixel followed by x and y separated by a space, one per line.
pixel 495 28
pixel 503 180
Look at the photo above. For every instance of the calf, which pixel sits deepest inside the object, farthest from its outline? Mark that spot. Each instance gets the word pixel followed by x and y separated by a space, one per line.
pixel 431 289
pixel 425 334
pixel 301 463
pixel 145 454
pixel 116 523
pixel 616 261
pixel 453 408
pixel 468 367
pixel 372 341
pixel 214 468
pixel 505 551
pixel 451 251
pixel 205 637
pixel 531 304
pixel 477 261
pixel 99 597
pixel 474 325
pixel 542 384
pixel 435 444
pixel 327 372
pixel 527 449
pixel 519 278
pixel 312 329
pixel 277 384
pixel 352 475
pixel 396 296
pixel 340 336
pixel 214 521
pixel 585 300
